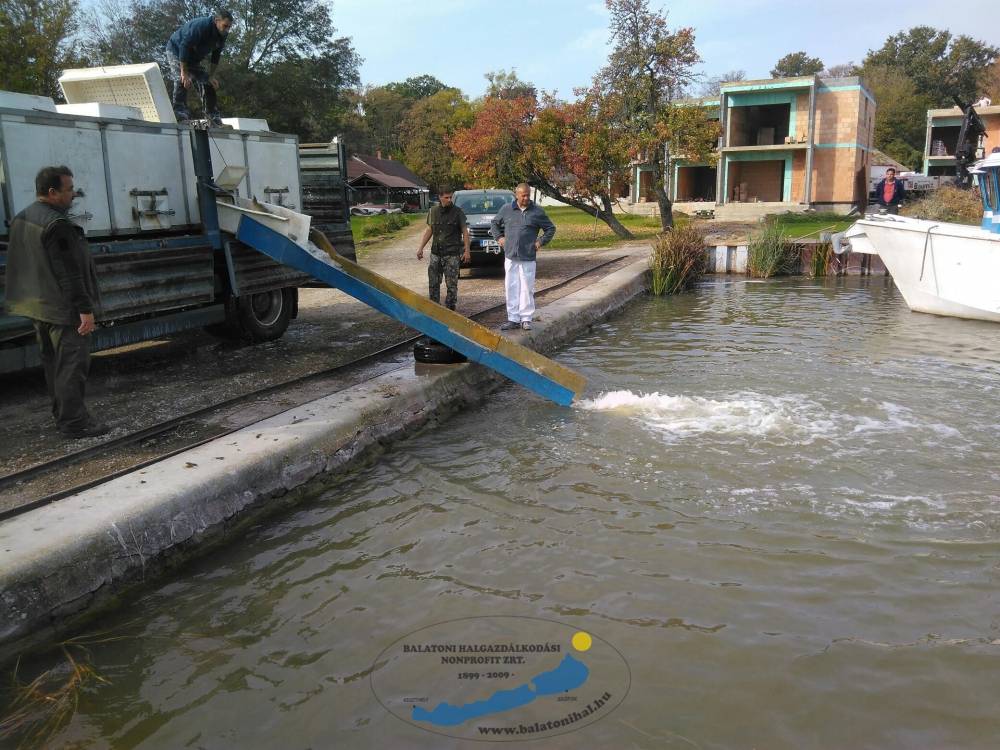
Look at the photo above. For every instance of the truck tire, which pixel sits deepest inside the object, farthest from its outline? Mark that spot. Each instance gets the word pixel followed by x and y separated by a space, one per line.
pixel 429 351
pixel 265 316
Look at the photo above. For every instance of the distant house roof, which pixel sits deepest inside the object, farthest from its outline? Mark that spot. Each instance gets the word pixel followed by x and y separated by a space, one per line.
pixel 881 159
pixel 387 172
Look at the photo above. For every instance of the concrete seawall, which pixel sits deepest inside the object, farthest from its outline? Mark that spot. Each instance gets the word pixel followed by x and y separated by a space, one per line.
pixel 733 259
pixel 68 560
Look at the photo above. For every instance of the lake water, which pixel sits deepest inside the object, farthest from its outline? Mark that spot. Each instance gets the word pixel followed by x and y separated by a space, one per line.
pixel 780 505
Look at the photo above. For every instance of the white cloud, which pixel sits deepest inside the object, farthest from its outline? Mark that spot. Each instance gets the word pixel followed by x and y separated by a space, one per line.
pixel 589 41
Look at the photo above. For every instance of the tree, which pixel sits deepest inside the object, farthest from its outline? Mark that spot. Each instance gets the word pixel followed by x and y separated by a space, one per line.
pixel 844 70
pixel 384 109
pixel 283 60
pixel 36 44
pixel 989 83
pixel 568 151
pixel 901 117
pixel 427 131
pixel 796 64
pixel 417 87
pixel 504 85
pixel 713 86
pixel 648 70
pixel 939 65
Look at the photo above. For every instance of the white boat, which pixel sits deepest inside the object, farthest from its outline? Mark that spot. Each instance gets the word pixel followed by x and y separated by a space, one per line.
pixel 940 267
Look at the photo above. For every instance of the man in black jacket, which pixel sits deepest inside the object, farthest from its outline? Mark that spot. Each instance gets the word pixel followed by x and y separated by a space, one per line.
pixel 186 49
pixel 889 192
pixel 51 279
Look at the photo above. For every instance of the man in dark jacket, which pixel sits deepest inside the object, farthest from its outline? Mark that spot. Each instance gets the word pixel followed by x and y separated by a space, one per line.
pixel 516 227
pixel 889 192
pixel 51 279
pixel 446 224
pixel 186 48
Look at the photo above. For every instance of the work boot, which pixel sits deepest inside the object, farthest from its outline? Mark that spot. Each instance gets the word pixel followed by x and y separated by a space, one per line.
pixel 525 325
pixel 510 325
pixel 91 429
pixel 215 120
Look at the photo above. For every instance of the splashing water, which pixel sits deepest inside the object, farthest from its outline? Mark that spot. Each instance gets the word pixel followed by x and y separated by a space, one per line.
pixel 742 414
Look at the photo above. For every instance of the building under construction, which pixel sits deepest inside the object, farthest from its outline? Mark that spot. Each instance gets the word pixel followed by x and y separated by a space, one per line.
pixel 788 143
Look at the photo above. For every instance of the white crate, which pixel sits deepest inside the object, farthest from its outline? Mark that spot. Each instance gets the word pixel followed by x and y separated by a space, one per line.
pixel 247 124
pixel 12 100
pixel 140 86
pixel 99 109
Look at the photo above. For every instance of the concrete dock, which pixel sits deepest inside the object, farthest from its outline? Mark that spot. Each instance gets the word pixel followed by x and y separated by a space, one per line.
pixel 67 561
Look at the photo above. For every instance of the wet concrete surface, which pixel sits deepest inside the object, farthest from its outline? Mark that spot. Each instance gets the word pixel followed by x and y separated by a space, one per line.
pixel 137 387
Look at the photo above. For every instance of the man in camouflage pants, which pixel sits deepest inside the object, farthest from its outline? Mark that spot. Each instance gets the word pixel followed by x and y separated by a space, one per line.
pixel 446 223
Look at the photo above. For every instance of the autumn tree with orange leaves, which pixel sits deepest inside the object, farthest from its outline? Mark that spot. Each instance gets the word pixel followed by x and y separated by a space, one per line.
pixel 575 151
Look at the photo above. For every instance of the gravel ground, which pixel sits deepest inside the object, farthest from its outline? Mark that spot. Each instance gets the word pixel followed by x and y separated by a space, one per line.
pixel 138 386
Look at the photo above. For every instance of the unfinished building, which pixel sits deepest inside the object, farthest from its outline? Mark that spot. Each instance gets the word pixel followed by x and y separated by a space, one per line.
pixel 786 144
pixel 943 127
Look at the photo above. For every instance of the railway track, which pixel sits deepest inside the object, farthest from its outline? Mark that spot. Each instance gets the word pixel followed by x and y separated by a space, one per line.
pixel 110 447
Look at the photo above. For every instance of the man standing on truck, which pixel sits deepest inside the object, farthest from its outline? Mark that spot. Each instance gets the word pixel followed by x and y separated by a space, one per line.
pixel 446 224
pixel 516 228
pixel 185 50
pixel 52 279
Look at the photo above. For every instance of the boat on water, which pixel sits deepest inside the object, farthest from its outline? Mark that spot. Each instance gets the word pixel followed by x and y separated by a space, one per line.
pixel 940 267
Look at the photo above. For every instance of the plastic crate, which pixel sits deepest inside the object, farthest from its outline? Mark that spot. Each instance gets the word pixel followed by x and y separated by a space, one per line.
pixel 139 86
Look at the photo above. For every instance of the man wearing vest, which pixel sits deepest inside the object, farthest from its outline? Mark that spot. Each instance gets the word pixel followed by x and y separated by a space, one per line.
pixel 52 279
pixel 516 228
pixel 446 224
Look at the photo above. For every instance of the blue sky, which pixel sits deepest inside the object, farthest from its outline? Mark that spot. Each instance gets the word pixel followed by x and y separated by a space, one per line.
pixel 559 44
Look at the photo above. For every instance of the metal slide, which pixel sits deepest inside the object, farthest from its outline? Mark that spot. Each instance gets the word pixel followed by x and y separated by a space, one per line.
pixel 478 343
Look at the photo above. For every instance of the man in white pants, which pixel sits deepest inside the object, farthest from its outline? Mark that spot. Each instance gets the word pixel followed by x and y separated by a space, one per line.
pixel 516 227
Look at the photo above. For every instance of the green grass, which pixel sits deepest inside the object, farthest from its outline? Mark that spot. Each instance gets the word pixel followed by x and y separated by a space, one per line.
pixel 380 225
pixel 809 226
pixel 577 229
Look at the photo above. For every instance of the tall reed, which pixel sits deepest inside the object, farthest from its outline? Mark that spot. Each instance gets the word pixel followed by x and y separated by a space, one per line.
pixel 769 253
pixel 822 259
pixel 677 260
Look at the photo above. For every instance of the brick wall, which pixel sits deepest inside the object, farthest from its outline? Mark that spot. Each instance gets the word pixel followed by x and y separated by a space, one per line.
pixel 834 173
pixel 799 177
pixel 801 117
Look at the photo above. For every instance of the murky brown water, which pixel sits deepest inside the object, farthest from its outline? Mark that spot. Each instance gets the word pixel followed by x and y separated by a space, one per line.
pixel 786 521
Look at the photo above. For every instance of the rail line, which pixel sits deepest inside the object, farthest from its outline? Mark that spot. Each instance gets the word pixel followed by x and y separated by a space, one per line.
pixel 162 428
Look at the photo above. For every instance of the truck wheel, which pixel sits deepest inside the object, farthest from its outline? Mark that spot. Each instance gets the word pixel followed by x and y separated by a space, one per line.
pixel 265 316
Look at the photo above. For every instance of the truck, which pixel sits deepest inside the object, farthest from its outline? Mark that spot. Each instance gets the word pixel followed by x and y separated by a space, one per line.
pixel 147 190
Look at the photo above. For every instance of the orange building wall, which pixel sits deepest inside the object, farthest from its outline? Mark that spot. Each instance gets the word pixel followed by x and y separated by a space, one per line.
pixel 799 177
pixel 992 123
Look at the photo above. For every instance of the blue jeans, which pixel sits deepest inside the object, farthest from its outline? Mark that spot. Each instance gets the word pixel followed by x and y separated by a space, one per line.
pixel 206 91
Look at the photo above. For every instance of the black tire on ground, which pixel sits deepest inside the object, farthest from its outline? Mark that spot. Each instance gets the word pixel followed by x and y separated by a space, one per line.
pixel 265 316
pixel 429 351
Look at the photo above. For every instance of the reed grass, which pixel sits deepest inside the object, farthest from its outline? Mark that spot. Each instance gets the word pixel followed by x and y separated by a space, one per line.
pixel 45 705
pixel 677 260
pixel 948 203
pixel 769 253
pixel 822 260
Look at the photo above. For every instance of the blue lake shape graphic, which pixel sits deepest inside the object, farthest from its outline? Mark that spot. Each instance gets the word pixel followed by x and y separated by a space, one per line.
pixel 569 675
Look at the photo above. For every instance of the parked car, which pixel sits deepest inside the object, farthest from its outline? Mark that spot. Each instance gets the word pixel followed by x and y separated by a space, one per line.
pixel 371 209
pixel 480 206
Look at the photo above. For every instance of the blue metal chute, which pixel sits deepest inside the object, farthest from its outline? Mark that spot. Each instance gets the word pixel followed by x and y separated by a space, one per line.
pixel 522 365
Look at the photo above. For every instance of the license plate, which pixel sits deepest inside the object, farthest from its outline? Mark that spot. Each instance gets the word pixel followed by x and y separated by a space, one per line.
pixel 491 246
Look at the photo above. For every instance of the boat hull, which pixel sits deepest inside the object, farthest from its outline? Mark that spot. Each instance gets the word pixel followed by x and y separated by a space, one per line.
pixel 938 267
